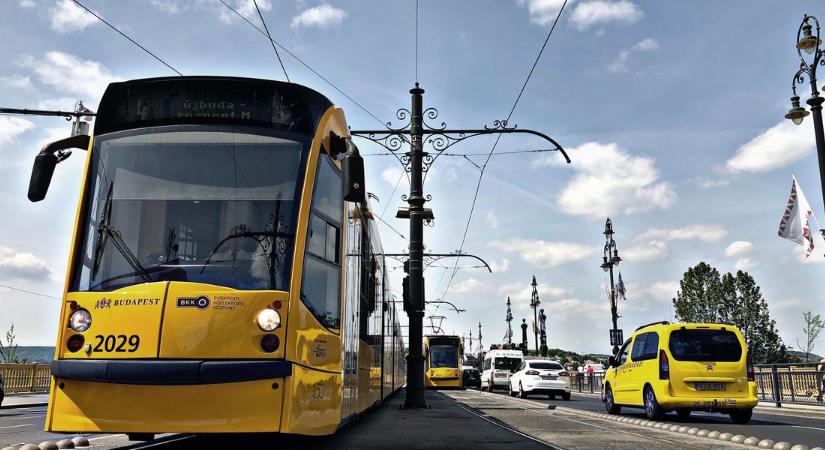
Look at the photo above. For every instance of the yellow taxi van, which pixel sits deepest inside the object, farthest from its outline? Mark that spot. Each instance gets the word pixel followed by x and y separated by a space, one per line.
pixel 682 367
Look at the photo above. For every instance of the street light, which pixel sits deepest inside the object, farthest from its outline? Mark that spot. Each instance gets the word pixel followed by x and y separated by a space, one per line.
pixel 534 303
pixel 610 259
pixel 809 43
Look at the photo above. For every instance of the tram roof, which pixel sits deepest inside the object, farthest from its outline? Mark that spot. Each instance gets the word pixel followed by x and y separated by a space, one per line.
pixel 210 100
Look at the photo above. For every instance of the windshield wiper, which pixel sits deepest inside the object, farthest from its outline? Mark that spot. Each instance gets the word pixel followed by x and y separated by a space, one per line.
pixel 106 232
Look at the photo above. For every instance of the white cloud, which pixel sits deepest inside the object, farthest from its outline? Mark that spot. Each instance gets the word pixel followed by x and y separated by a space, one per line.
pixel 66 16
pixel 17 265
pixel 653 244
pixel 620 63
pixel 738 248
pixel 167 6
pixel 544 254
pixel 468 285
pixel 70 74
pixel 392 175
pixel 598 12
pixel 500 266
pixel 704 233
pixel 27 3
pixel 779 146
pixel 11 127
pixel 646 45
pixel 62 103
pixel 244 7
pixel 745 264
pixel 609 181
pixel 542 12
pixel 520 293
pixel 16 82
pixel 663 289
pixel 645 251
pixel 320 16
pixel 566 307
pixel 53 134
pixel 491 219
pixel 708 182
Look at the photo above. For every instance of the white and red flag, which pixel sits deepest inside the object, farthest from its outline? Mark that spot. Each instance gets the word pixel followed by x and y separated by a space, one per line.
pixel 795 225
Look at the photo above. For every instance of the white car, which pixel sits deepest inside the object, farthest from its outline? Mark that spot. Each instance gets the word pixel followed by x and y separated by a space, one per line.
pixel 540 377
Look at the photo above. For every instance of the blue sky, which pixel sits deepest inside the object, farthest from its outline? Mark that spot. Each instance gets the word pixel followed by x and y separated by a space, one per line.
pixel 671 112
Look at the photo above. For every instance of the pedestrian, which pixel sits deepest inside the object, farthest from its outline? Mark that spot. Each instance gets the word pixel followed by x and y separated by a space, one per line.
pixel 590 376
pixel 580 376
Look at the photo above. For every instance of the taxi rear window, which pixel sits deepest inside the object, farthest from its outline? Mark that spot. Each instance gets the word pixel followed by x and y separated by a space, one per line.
pixel 705 345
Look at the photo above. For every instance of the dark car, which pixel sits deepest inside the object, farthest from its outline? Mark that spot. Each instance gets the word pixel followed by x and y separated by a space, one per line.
pixel 471 378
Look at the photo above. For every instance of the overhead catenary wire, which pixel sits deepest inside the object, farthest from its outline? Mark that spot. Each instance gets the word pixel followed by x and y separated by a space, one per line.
pixel 318 74
pixel 270 40
pixel 498 138
pixel 77 2
pixel 28 292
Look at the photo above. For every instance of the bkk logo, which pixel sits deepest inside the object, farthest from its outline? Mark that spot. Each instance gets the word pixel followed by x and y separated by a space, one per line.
pixel 201 302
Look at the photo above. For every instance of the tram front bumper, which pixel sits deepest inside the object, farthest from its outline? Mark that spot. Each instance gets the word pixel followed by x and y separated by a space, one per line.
pixel 165 396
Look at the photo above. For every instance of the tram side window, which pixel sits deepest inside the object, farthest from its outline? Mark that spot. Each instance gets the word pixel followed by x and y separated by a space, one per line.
pixel 320 290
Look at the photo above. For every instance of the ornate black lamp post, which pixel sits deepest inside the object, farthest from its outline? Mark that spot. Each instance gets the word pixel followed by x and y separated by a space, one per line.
pixel 509 327
pixel 534 303
pixel 524 336
pixel 417 162
pixel 610 259
pixel 808 43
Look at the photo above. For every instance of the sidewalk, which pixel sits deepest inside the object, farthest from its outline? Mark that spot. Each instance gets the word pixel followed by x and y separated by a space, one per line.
pixel 25 400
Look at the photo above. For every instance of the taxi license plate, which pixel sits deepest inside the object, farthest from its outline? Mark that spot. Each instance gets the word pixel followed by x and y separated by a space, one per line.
pixel 548 377
pixel 710 386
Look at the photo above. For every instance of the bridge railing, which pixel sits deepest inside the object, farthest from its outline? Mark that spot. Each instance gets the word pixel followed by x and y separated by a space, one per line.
pixel 790 383
pixel 587 383
pixel 26 377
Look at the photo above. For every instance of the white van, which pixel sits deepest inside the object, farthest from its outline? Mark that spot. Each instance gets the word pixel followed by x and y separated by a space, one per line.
pixel 498 366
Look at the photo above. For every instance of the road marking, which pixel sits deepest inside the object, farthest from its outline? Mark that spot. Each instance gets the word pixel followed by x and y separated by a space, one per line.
pixel 809 428
pixel 544 412
pixel 17 426
pixel 104 437
pixel 163 442
pixel 508 428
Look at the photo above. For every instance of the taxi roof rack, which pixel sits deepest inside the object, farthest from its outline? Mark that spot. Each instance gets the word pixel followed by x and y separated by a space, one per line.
pixel 662 322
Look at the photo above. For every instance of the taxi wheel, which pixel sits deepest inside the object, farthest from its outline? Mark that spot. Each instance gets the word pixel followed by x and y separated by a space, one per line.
pixel 741 416
pixel 521 392
pixel 565 396
pixel 609 403
pixel 653 410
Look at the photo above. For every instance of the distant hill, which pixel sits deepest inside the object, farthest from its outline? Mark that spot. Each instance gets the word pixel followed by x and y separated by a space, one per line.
pixel 35 354
pixel 812 357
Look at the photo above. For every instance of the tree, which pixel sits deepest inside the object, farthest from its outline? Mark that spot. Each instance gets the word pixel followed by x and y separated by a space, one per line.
pixel 813 326
pixel 699 295
pixel 704 296
pixel 8 352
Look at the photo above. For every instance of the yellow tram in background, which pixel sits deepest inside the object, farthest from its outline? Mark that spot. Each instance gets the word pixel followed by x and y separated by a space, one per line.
pixel 225 273
pixel 442 361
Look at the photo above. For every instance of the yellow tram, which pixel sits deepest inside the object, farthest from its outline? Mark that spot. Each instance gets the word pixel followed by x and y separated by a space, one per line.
pixel 225 273
pixel 442 361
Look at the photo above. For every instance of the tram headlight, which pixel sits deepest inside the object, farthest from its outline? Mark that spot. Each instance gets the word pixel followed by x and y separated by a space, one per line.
pixel 269 319
pixel 80 320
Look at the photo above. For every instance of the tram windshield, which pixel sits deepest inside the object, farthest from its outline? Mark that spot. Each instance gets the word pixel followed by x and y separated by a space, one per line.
pixel 198 204
pixel 443 356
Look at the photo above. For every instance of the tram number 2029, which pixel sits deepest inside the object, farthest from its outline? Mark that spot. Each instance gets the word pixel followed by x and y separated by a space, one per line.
pixel 119 344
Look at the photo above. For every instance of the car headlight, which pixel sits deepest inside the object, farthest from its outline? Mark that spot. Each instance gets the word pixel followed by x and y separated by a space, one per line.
pixel 269 319
pixel 80 320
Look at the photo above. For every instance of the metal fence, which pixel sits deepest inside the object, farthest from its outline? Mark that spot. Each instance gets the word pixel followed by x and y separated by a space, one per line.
pixel 789 383
pixel 26 377
pixel 587 383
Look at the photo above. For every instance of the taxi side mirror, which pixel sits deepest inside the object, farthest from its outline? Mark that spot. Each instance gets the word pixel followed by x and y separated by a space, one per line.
pixel 611 361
